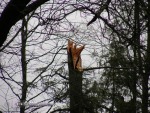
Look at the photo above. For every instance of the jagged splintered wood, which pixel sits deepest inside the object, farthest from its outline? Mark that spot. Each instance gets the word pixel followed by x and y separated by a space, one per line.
pixel 75 53
pixel 75 77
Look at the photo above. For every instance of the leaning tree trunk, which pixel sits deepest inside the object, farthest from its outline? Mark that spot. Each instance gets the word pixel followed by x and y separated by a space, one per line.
pixel 75 78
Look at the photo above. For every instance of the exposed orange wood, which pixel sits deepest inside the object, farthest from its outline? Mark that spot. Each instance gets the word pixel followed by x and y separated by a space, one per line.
pixel 76 54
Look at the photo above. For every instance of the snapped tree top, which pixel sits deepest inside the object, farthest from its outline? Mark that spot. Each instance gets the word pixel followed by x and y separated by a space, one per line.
pixel 76 54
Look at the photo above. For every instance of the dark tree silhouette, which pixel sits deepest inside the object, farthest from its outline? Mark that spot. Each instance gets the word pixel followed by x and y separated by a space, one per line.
pixel 13 12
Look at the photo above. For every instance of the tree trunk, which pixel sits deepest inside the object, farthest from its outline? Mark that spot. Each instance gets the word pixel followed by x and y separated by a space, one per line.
pixel 75 87
pixel 147 69
pixel 137 54
pixel 24 66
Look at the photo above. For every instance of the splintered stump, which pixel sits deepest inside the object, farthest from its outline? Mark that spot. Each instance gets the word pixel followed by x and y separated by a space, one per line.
pixel 75 77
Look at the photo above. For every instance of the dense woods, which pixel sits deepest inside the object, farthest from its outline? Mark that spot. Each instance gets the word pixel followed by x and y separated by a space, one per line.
pixel 38 73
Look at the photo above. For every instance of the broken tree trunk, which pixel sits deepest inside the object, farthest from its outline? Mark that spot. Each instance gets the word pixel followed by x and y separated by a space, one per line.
pixel 75 77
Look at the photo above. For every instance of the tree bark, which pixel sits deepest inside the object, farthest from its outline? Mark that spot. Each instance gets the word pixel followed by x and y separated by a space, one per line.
pixel 75 87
